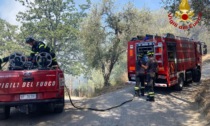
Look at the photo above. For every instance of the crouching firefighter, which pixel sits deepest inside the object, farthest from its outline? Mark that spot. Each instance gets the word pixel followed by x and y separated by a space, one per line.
pixel 38 47
pixel 140 77
pixel 151 69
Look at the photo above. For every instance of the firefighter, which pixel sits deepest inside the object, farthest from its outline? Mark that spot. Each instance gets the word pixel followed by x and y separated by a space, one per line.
pixel 38 47
pixel 151 69
pixel 140 76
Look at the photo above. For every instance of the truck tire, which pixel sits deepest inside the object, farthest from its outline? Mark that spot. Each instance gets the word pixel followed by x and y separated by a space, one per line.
pixel 5 112
pixel 188 78
pixel 180 84
pixel 50 107
pixel 59 107
pixel 196 75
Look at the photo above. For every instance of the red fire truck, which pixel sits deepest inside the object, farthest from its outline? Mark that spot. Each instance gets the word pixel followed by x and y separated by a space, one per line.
pixel 179 59
pixel 29 88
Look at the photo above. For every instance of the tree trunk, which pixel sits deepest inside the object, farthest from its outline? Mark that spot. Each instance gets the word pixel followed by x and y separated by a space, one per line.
pixel 106 79
pixel 107 70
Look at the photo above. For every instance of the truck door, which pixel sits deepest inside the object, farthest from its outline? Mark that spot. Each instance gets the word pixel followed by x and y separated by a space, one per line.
pixel 172 57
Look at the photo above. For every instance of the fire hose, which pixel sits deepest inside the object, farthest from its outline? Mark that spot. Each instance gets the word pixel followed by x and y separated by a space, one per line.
pixel 95 109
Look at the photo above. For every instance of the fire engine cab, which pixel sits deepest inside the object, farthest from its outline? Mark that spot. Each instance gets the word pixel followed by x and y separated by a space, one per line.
pixel 179 58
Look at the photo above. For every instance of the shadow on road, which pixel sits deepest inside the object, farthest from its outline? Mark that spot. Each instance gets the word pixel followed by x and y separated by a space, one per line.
pixel 184 95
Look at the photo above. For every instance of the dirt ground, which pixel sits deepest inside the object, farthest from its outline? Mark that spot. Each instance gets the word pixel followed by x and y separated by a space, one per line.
pixel 202 95
pixel 205 58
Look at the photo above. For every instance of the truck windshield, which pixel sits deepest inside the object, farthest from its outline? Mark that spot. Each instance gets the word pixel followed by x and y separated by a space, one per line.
pixel 141 50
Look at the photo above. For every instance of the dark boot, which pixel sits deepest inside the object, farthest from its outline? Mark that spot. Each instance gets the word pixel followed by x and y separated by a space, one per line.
pixel 151 99
pixel 151 96
pixel 137 91
pixel 142 91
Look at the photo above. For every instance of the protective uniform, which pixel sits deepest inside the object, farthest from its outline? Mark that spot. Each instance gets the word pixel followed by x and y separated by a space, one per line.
pixel 140 76
pixel 39 47
pixel 151 72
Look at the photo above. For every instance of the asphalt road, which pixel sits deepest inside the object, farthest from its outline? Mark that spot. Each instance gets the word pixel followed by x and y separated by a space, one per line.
pixel 171 108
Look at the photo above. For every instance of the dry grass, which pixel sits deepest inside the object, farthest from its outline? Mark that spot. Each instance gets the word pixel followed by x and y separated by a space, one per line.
pixel 206 58
pixel 202 98
pixel 121 83
pixel 202 95
pixel 105 90
pixel 108 89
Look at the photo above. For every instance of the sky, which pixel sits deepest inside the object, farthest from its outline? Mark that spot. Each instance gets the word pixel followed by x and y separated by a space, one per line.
pixel 9 8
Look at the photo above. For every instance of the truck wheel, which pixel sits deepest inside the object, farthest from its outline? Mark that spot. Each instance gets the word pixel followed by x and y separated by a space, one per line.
pixel 188 78
pixel 50 107
pixel 196 75
pixel 180 84
pixel 5 112
pixel 59 107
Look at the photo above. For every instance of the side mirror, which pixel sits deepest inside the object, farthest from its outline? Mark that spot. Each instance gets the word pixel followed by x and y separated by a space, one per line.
pixel 204 48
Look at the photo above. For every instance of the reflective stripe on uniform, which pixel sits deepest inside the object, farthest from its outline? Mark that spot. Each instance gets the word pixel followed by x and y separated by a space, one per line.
pixel 42 46
pixel 33 52
pixel 54 59
pixel 151 93
pixel 142 87
pixel 136 88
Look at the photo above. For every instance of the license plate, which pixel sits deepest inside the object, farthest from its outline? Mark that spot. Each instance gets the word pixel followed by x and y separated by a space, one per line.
pixel 27 96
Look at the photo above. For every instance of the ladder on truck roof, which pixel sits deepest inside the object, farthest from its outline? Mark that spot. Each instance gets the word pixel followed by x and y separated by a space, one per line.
pixel 168 35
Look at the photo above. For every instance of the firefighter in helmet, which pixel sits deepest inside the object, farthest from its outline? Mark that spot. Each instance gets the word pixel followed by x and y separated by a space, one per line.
pixel 151 69
pixel 38 47
pixel 140 76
